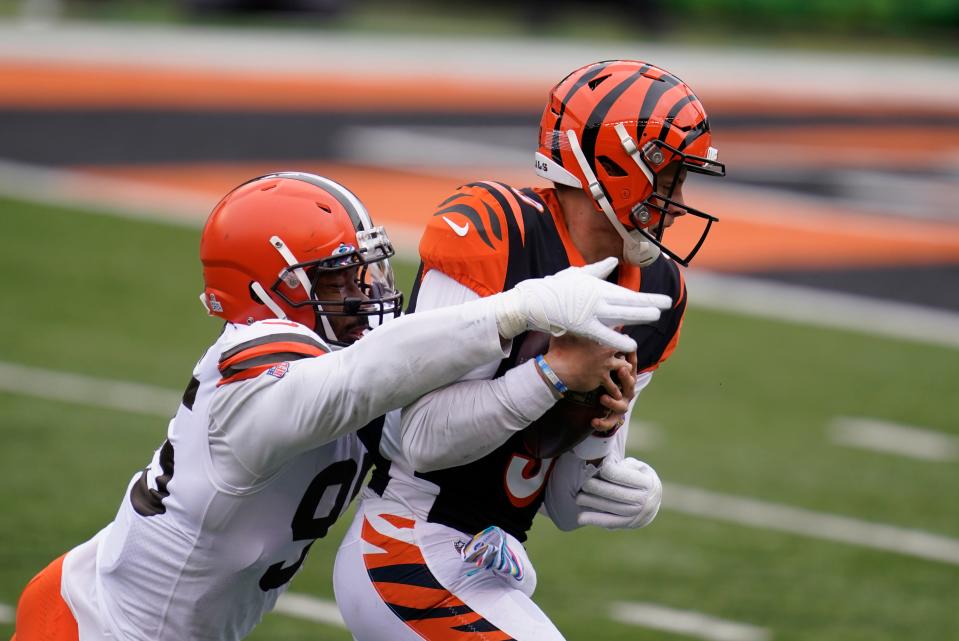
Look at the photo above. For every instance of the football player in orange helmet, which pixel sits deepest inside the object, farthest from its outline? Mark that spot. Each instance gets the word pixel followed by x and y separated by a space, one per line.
pixel 624 134
pixel 321 263
pixel 435 550
pixel 263 453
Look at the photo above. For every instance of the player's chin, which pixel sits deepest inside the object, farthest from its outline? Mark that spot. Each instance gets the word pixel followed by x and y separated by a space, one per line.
pixel 355 333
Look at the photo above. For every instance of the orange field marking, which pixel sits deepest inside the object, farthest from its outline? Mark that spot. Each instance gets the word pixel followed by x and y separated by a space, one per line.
pixel 53 85
pixel 756 232
pixel 69 84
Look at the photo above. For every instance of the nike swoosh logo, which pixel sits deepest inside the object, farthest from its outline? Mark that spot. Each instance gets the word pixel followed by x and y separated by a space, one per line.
pixel 459 230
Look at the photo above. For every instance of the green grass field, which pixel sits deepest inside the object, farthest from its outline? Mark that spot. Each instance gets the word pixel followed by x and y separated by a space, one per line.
pixel 743 407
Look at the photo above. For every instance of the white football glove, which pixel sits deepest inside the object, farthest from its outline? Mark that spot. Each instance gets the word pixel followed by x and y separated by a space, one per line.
pixel 490 550
pixel 577 300
pixel 623 494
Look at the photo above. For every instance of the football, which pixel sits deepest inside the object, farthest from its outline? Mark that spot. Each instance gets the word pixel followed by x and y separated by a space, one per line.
pixel 568 422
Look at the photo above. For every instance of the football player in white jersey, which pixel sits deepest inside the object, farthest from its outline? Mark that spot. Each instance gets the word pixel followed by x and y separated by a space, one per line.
pixel 262 456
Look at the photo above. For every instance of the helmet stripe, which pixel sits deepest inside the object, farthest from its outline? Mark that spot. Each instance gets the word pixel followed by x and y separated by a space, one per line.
pixel 694 133
pixel 596 118
pixel 347 199
pixel 653 97
pixel 594 71
pixel 673 112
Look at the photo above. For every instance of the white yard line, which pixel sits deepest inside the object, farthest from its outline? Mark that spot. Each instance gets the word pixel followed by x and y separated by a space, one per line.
pixel 643 436
pixel 146 399
pixel 648 615
pixel 80 190
pixel 809 306
pixel 904 440
pixel 694 624
pixel 818 525
pixel 430 147
pixel 85 390
pixel 303 606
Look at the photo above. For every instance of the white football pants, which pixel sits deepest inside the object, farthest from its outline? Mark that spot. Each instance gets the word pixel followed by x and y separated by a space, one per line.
pixel 397 578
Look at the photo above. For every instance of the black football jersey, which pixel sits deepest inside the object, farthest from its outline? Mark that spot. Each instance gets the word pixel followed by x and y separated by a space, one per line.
pixel 512 235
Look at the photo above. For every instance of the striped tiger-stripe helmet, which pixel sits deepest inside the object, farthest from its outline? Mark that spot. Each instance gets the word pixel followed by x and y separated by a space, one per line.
pixel 621 129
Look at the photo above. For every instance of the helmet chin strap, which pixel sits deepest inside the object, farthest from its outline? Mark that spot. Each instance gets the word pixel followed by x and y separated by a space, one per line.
pixel 636 249
pixel 302 280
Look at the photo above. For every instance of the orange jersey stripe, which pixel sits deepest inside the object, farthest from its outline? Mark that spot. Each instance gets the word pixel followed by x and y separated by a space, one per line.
pixel 396 551
pixel 398 521
pixel 466 239
pixel 415 596
pixel 271 348
pixel 513 204
pixel 445 628
pixel 243 375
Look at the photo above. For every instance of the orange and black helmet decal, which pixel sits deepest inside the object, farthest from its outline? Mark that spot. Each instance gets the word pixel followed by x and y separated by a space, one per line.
pixel 651 102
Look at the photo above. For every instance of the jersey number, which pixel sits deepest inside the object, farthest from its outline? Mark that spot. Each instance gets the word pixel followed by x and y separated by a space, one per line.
pixel 306 525
pixel 525 478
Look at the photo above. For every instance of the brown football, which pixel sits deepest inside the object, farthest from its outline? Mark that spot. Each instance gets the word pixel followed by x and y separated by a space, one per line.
pixel 568 422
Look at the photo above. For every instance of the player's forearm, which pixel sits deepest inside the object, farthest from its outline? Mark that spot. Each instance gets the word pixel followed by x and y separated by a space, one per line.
pixel 389 368
pixel 567 478
pixel 465 421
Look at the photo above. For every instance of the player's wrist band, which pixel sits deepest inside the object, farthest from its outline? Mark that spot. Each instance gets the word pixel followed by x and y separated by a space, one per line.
pixel 551 376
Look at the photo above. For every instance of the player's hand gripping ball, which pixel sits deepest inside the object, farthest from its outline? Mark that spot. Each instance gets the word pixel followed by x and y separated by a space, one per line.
pixel 569 422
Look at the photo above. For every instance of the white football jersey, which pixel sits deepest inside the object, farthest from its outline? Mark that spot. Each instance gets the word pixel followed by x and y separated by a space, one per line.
pixel 260 459
pixel 209 535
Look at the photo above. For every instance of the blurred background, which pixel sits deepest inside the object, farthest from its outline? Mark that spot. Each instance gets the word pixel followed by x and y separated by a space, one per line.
pixel 807 429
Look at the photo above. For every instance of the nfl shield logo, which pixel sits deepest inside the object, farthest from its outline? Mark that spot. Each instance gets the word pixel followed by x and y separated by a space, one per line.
pixel 215 304
pixel 279 370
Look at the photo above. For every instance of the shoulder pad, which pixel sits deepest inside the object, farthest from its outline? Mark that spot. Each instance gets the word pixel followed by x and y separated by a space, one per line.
pixel 467 237
pixel 248 351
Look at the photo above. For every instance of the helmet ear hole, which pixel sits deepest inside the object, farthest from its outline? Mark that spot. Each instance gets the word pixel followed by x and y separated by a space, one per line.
pixel 611 167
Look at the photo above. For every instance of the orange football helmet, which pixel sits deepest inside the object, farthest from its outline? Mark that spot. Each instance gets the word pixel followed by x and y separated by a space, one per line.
pixel 612 128
pixel 268 240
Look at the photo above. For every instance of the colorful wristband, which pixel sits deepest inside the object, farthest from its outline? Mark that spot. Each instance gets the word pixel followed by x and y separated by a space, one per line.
pixel 551 376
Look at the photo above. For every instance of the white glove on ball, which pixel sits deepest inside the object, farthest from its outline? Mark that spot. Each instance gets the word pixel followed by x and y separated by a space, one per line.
pixel 623 494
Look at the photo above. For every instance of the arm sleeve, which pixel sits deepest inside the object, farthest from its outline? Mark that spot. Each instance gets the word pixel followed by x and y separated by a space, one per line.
pixel 320 399
pixel 571 471
pixel 465 421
